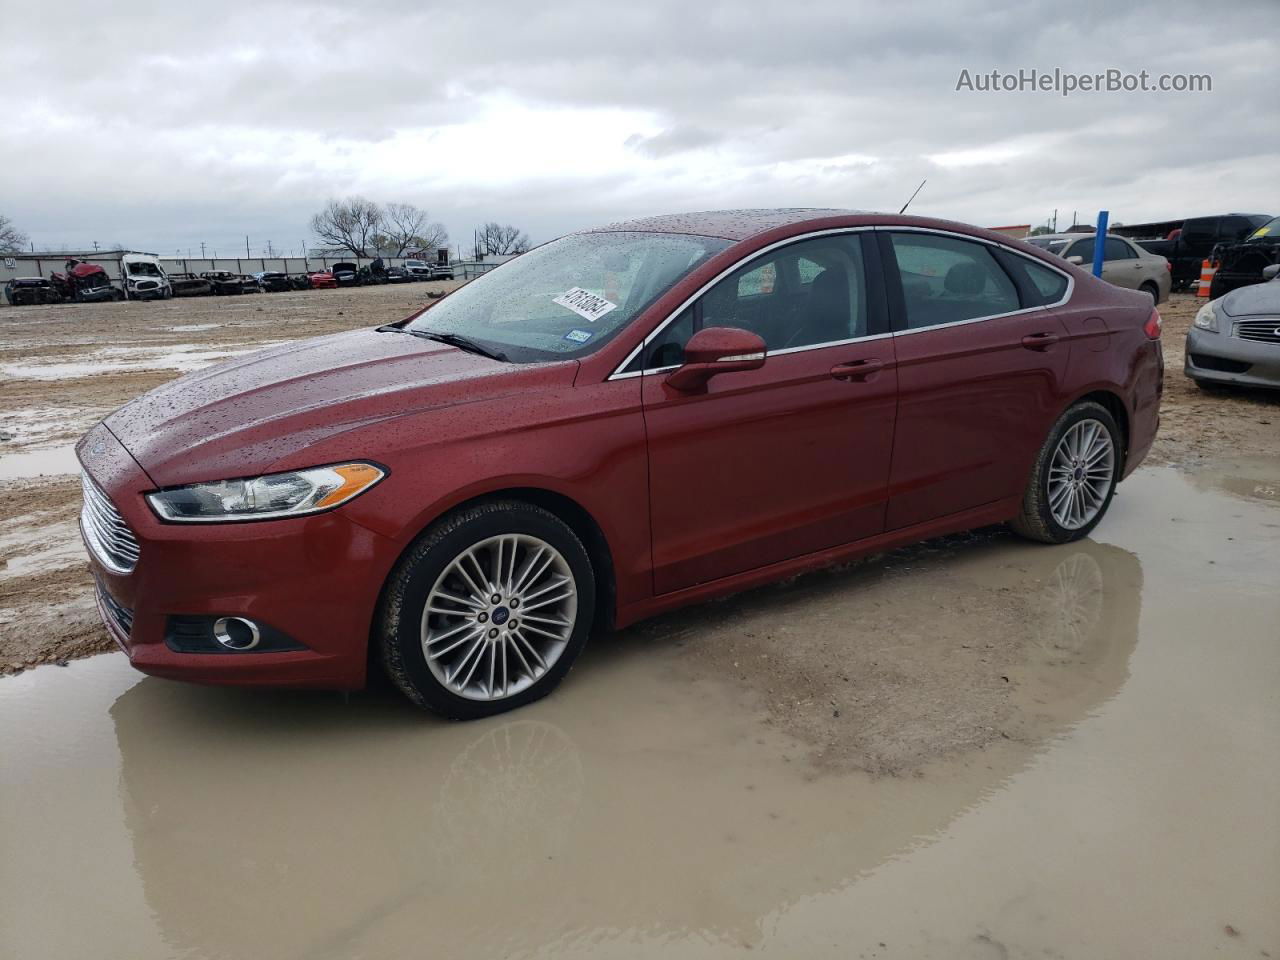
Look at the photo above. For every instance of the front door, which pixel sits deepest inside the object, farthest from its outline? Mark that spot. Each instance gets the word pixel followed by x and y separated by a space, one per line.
pixel 769 464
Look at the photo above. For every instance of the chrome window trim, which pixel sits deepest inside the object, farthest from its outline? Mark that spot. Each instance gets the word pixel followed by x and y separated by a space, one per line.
pixel 833 231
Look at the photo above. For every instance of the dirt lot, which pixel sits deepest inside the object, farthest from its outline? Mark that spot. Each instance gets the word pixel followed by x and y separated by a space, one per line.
pixel 65 367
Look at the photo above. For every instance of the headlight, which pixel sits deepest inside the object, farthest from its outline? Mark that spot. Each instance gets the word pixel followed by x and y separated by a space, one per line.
pixel 291 494
pixel 1207 319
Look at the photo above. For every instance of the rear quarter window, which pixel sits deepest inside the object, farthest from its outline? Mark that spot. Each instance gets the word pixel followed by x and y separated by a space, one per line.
pixel 1049 284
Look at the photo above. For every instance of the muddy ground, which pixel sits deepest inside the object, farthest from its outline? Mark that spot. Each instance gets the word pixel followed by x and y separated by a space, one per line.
pixel 884 706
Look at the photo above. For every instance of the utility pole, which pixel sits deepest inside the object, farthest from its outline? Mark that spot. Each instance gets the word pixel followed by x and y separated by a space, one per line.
pixel 1055 219
pixel 201 249
pixel 95 246
pixel 246 246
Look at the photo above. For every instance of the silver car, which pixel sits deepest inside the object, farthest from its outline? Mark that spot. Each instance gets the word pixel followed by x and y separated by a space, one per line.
pixel 1124 263
pixel 1236 339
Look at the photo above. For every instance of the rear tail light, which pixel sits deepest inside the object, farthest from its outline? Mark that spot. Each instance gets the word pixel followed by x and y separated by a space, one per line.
pixel 1168 266
pixel 1152 327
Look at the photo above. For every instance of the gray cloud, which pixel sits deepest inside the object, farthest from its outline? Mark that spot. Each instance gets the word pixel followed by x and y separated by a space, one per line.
pixel 168 125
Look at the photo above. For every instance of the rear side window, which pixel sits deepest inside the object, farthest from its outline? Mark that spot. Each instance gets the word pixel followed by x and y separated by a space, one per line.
pixel 947 280
pixel 1114 249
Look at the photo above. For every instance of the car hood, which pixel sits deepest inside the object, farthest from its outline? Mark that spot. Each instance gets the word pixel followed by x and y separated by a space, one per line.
pixel 1257 298
pixel 241 417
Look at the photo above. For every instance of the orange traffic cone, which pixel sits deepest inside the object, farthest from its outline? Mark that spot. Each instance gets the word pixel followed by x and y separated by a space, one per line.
pixel 1207 270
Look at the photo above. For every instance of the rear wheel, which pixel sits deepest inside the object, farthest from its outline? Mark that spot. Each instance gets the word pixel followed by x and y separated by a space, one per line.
pixel 488 610
pixel 1151 290
pixel 1074 477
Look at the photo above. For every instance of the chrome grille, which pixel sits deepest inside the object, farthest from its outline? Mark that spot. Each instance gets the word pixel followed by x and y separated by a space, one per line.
pixel 1259 331
pixel 106 534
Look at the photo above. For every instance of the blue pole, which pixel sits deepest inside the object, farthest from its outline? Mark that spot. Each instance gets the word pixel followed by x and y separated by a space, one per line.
pixel 1099 241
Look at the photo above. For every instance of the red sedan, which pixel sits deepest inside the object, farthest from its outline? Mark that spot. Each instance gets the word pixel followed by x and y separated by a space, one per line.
pixel 614 424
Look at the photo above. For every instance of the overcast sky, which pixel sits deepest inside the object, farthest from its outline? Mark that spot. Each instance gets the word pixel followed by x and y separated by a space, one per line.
pixel 159 126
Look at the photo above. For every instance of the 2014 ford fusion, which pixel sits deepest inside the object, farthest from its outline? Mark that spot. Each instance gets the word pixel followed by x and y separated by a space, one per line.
pixel 614 424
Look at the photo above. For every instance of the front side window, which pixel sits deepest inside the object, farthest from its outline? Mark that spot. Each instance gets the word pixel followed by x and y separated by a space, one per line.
pixel 1269 231
pixel 568 297
pixel 948 280
pixel 808 293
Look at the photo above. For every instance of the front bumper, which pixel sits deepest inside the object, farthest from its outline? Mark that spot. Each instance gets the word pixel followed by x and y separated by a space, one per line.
pixel 314 579
pixel 1223 358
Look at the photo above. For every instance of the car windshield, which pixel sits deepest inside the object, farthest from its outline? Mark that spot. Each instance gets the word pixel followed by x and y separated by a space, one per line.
pixel 1052 244
pixel 414 263
pixel 569 296
pixel 143 270
pixel 1268 231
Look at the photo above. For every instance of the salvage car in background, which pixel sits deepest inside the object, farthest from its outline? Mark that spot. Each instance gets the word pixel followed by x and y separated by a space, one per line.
pixel 1124 263
pixel 272 281
pixel 418 269
pixel 30 291
pixel 85 283
pixel 617 423
pixel 144 278
pixel 189 285
pixel 398 275
pixel 225 283
pixel 1242 263
pixel 1235 339
pixel 321 280
pixel 345 274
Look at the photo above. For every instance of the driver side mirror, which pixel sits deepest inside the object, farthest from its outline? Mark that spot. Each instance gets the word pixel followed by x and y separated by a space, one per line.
pixel 715 350
pixel 1078 261
pixel 1271 272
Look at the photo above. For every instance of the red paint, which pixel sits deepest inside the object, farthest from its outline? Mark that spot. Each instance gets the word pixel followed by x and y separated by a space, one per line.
pixel 812 457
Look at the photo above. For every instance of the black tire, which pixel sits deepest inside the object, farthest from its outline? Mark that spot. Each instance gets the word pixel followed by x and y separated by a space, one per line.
pixel 1153 292
pixel 398 631
pixel 1036 520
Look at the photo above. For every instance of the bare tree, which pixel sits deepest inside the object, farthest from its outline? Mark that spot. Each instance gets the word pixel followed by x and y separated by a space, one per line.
pixel 11 238
pixel 405 227
pixel 499 239
pixel 352 223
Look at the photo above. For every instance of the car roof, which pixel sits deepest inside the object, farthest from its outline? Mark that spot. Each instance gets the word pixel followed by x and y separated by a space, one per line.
pixel 1078 236
pixel 727 224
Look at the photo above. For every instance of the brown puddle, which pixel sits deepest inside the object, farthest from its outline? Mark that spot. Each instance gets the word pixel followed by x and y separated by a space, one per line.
pixel 1118 799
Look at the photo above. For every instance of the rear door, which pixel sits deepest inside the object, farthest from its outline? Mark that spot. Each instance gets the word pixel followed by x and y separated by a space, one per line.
pixel 980 370
pixel 770 464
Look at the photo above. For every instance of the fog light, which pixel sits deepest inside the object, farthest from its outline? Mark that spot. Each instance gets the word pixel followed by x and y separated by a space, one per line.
pixel 236 633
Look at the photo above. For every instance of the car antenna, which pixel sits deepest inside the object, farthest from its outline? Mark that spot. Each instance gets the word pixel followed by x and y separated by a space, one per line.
pixel 913 196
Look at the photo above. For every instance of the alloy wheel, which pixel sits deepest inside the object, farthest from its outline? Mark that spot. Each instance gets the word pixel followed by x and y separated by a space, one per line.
pixel 499 617
pixel 1081 474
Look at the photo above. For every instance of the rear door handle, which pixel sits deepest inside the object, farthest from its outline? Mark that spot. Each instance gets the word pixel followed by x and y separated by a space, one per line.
pixel 1039 341
pixel 857 370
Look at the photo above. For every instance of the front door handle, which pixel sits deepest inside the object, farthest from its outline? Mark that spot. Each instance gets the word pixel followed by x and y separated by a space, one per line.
pixel 1039 341
pixel 858 370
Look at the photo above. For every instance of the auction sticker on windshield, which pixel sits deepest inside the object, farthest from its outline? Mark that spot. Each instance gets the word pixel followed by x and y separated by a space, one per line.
pixel 585 303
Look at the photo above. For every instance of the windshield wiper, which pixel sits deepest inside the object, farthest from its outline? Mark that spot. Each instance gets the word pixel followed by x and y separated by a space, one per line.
pixel 461 342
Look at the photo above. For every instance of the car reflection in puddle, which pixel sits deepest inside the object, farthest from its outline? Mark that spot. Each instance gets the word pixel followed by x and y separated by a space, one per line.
pixel 622 809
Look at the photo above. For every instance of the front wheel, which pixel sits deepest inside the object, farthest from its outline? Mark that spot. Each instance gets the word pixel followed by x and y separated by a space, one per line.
pixel 1074 478
pixel 487 611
